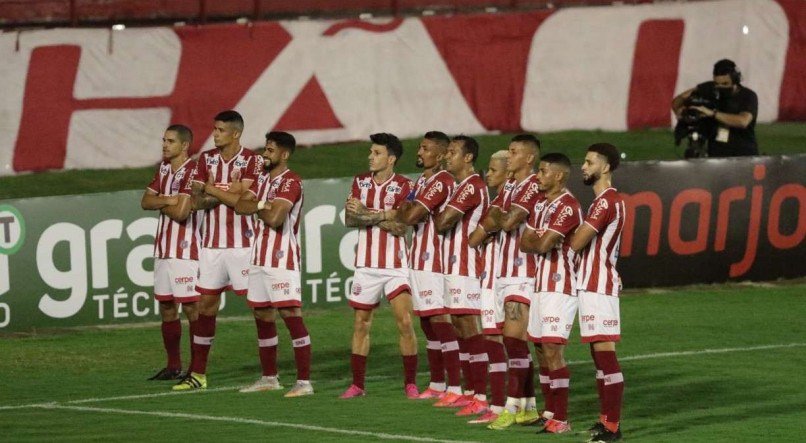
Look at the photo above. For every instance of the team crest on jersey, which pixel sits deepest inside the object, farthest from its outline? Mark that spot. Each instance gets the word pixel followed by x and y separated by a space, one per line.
pixel 389 200
pixel 279 254
pixel 356 289
pixel 211 161
pixel 248 233
pixel 539 207
pixel 600 207
pixel 235 175
pixel 518 261
pixel 556 276
pixel 436 188
pixel 452 259
pixel 509 186
pixel 165 169
pixel 184 244
pixel 426 255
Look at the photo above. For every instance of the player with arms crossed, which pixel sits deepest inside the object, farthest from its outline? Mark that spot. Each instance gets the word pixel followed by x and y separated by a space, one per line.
pixel 275 284
pixel 222 175
pixel 176 244
pixel 515 281
pixel 464 264
pixel 597 241
pixel 552 313
pixel 492 306
pixel 381 260
pixel 430 196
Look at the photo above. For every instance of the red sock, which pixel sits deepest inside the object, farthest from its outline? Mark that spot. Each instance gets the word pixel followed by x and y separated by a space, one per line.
pixel 409 369
pixel 599 382
pixel 478 363
pixel 518 365
pixel 191 332
pixel 560 379
pixel 613 386
pixel 529 379
pixel 498 372
pixel 171 336
pixel 545 388
pixel 302 346
pixel 202 342
pixel 267 346
pixel 358 363
pixel 434 351
pixel 464 364
pixel 450 351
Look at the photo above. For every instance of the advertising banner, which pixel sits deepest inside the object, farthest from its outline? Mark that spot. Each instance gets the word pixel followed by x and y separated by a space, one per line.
pixel 87 259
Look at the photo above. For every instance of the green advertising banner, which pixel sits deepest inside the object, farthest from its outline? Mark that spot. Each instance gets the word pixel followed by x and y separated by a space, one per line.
pixel 87 259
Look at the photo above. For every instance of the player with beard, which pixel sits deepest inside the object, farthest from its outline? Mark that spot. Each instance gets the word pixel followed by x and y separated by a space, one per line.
pixel 492 306
pixel 221 176
pixel 381 261
pixel 430 196
pixel 464 264
pixel 274 275
pixel 176 244
pixel 598 283
pixel 551 315
pixel 515 281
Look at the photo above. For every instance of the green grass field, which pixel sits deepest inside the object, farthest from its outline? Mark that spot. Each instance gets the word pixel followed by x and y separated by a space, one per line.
pixel 702 364
pixel 347 159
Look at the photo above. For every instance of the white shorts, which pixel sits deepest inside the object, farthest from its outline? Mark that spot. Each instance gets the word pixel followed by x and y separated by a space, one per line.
pixel 428 298
pixel 551 317
pixel 370 284
pixel 462 295
pixel 492 312
pixel 273 288
pixel 515 289
pixel 222 269
pixel 599 317
pixel 175 280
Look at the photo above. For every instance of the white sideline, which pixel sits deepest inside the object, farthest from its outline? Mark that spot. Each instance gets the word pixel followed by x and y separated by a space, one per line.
pixel 251 421
pixel 576 362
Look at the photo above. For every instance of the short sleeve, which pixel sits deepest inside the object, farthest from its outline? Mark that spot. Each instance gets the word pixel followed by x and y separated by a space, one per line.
pixel 750 104
pixel 600 214
pixel 465 198
pixel 253 188
pixel 564 220
pixel 187 180
pixel 155 182
pixel 498 200
pixel 405 189
pixel 355 191
pixel 434 194
pixel 527 199
pixel 290 189
pixel 253 168
pixel 200 173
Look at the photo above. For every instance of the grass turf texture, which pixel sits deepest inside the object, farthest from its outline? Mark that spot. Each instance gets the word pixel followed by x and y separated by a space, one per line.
pixel 741 395
pixel 347 159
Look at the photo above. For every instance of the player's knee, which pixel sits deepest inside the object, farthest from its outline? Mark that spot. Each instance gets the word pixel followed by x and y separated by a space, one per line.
pixel 361 326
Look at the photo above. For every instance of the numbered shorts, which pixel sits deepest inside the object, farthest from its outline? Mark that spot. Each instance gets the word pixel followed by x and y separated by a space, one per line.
pixel 175 280
pixel 492 312
pixel 599 317
pixel 515 289
pixel 370 284
pixel 274 288
pixel 551 317
pixel 462 295
pixel 428 297
pixel 223 268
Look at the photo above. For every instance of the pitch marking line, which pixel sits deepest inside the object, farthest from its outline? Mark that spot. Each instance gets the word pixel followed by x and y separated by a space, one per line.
pixel 250 421
pixel 578 362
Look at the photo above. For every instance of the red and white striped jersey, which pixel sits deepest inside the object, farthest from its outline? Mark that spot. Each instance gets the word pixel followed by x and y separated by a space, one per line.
pixel 279 247
pixel 597 266
pixel 426 243
pixel 376 247
pixel 491 261
pixel 224 228
pixel 471 199
pixel 524 195
pixel 556 269
pixel 176 239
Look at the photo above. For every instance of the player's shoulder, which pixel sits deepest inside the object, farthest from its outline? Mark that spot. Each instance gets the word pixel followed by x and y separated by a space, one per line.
pixel 477 181
pixel 445 177
pixel 612 195
pixel 248 153
pixel 402 180
pixel 363 177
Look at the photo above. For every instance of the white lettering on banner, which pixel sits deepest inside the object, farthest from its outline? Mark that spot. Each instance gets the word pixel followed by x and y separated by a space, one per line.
pixel 100 299
pixel 314 220
pixel 314 284
pixel 347 246
pixel 99 235
pixel 604 44
pixel 119 304
pixel 136 304
pixel 74 278
pixel 332 287
pixel 145 226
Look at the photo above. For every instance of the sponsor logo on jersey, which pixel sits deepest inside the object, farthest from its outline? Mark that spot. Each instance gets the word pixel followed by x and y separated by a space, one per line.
pixel 364 184
pixel 599 208
pixel 550 319
pixel 466 192
pixel 611 323
pixel 182 280
pixel 530 192
pixel 175 186
pixel 287 185
pixel 241 163
pixel 565 212
pixel 356 288
pixel 509 186
pixel 280 286
pixel 435 189
pixel 262 179
pixel 426 293
pixel 180 174
pixel 588 318
pixel 211 161
pixel 474 296
pixel 165 168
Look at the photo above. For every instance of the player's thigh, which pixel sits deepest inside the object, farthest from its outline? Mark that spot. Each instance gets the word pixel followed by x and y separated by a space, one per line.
pixel 213 276
pixel 463 295
pixel 557 315
pixel 491 320
pixel 285 288
pixel 257 294
pixel 599 317
pixel 163 287
pixel 237 262
pixel 428 298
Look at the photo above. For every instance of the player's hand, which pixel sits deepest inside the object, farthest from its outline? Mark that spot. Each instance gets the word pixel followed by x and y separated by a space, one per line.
pixel 703 110
pixel 355 206
pixel 197 187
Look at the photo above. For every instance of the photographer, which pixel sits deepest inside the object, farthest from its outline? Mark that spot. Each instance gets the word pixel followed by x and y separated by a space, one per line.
pixel 724 110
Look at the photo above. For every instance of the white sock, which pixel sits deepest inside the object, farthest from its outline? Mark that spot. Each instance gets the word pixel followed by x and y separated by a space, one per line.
pixel 437 386
pixel 455 390
pixel 513 404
